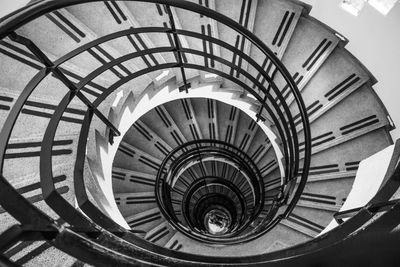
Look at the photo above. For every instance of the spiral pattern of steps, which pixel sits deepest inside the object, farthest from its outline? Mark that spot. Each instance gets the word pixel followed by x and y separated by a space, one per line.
pixel 149 141
pixel 186 133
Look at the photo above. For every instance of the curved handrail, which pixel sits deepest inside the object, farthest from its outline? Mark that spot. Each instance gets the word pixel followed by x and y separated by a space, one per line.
pixel 200 197
pixel 9 24
pixel 189 152
pixel 204 182
pixel 169 66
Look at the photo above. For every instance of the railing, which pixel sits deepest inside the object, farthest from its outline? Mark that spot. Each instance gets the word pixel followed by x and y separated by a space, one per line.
pixel 177 162
pixel 374 208
pixel 194 195
pixel 97 239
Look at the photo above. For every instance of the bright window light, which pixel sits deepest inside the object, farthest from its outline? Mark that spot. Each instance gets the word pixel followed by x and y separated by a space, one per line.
pixel 251 96
pixel 353 6
pixel 383 6
pixel 162 75
pixel 120 94
pixel 210 75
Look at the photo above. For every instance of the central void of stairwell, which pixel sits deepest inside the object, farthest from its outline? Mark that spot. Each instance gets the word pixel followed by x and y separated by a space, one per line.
pixel 217 220
pixel 136 106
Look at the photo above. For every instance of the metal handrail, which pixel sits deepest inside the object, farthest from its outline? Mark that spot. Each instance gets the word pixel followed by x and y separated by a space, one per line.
pixel 172 164
pixel 9 24
pixel 217 182
pixel 12 22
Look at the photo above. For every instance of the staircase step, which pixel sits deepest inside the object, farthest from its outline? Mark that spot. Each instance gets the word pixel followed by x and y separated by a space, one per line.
pixel 184 116
pixel 156 15
pixel 344 158
pixel 342 127
pixel 160 234
pixel 114 17
pixel 339 76
pixel 244 13
pixel 21 60
pixel 132 158
pixel 174 243
pixel 39 110
pixel 132 203
pixel 22 155
pixel 147 140
pixel 39 253
pixel 206 111
pixel 275 23
pixel 165 127
pixel 145 220
pixel 204 25
pixel 303 224
pixel 229 118
pixel 327 195
pixel 125 181
pixel 310 45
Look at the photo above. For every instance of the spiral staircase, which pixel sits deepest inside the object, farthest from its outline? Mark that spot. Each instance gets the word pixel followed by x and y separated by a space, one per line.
pixel 190 133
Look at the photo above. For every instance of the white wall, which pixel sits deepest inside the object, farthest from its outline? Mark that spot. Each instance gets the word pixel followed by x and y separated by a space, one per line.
pixel 8 6
pixel 375 40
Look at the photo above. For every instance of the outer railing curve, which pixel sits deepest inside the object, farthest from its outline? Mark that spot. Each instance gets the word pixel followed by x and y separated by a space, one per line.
pixel 78 239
